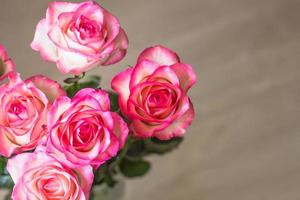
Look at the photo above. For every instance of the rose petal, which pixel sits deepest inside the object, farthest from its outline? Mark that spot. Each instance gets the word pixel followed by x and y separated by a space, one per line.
pixel 7 147
pixel 142 71
pixel 120 83
pixel 164 74
pixel 56 8
pixel 17 165
pixel 75 63
pixel 120 129
pixel 121 45
pixel 42 43
pixel 100 95
pixel 85 176
pixel 6 64
pixel 186 75
pixel 49 87
pixel 60 105
pixel 160 55
pixel 178 127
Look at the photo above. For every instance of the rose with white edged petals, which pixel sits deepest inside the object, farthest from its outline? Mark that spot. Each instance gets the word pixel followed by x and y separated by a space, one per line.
pixel 83 131
pixel 23 113
pixel 6 64
pixel 39 176
pixel 79 36
pixel 153 94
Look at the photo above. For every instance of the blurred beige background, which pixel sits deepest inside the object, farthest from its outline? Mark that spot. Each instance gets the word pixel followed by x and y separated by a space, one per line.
pixel 245 141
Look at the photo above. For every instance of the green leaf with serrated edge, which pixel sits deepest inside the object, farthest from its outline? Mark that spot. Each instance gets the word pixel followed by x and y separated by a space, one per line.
pixel 156 146
pixel 134 168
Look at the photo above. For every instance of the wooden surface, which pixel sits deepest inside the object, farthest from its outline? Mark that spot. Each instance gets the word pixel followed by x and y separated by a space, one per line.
pixel 245 142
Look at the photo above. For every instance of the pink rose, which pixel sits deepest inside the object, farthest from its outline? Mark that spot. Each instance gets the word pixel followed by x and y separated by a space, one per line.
pixel 23 112
pixel 153 94
pixel 6 64
pixel 79 36
pixel 39 176
pixel 83 131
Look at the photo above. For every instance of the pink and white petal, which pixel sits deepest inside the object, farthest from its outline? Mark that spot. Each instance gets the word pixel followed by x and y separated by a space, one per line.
pixel 43 44
pixel 6 67
pixel 120 84
pixel 18 192
pixel 58 38
pixel 160 55
pixel 144 130
pixel 71 62
pixel 178 127
pixel 85 177
pixel 112 27
pixel 91 10
pixel 14 79
pixel 100 95
pixel 17 165
pixel 121 45
pixel 49 87
pixel 142 71
pixel 60 105
pixel 120 129
pixel 164 73
pixel 56 8
pixel 115 57
pixel 7 147
pixel 186 75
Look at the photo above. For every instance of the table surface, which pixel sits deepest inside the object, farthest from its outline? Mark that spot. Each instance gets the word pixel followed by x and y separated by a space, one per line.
pixel 245 141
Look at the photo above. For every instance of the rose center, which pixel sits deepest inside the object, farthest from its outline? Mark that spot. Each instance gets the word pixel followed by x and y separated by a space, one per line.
pixel 86 27
pixel 16 108
pixel 83 133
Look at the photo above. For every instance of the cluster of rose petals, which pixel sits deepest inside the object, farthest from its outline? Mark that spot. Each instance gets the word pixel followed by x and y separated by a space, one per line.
pixel 83 131
pixel 6 64
pixel 39 176
pixel 79 36
pixel 23 113
pixel 153 94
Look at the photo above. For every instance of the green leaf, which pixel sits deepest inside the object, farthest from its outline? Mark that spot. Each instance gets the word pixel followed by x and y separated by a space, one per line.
pixel 137 149
pixel 161 147
pixel 86 82
pixel 92 81
pixel 114 103
pixel 134 168
pixel 3 162
pixel 105 174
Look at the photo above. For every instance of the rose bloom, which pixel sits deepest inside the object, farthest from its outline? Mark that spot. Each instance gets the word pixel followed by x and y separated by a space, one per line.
pixel 79 36
pixel 23 112
pixel 39 176
pixel 83 131
pixel 6 64
pixel 153 94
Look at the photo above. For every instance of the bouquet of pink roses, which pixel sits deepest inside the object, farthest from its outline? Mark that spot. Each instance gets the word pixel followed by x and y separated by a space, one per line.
pixel 58 142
